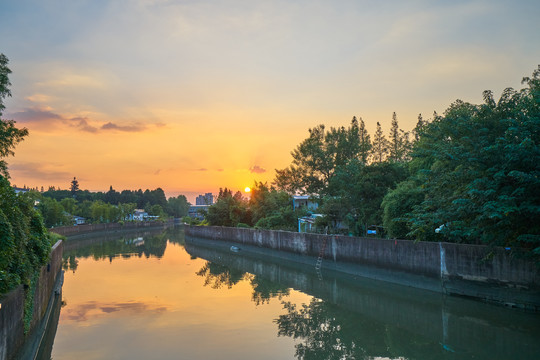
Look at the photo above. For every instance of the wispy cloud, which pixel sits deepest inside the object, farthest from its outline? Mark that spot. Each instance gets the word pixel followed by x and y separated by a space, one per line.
pixel 256 169
pixel 36 115
pixel 38 170
pixel 45 119
pixel 126 128
pixel 82 124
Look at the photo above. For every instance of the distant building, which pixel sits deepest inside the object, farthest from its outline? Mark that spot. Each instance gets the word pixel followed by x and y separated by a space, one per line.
pixel 140 215
pixel 78 220
pixel 307 223
pixel 206 199
pixel 304 201
pixel 198 211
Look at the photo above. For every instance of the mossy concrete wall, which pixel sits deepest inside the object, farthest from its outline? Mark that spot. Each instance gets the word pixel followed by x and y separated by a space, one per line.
pixel 481 272
pixel 12 334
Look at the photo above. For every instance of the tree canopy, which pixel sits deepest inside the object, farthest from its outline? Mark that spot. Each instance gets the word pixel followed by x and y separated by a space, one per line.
pixel 316 159
pixel 10 135
pixel 475 174
pixel 24 242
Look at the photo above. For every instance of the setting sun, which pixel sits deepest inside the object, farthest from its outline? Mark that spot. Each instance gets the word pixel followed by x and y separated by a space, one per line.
pixel 247 189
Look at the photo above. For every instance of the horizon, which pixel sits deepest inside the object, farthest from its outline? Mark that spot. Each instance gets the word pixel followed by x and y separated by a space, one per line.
pixel 192 97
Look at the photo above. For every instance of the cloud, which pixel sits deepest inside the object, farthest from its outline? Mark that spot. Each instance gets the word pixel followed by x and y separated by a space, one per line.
pixel 257 169
pixel 201 169
pixel 39 171
pixel 38 98
pixel 83 125
pixel 126 128
pixel 45 119
pixel 31 115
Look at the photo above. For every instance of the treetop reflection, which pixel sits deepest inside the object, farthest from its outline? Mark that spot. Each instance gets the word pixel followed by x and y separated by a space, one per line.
pixel 124 246
pixel 218 276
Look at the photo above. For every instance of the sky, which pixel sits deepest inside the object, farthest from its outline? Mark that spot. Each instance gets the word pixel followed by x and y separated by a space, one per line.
pixel 191 96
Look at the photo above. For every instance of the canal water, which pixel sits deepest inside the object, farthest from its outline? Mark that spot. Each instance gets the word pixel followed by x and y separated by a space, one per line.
pixel 162 296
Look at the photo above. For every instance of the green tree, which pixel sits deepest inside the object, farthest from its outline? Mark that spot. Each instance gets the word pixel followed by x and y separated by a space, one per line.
pixel 397 207
pixel 157 210
pixel 379 146
pixel 126 209
pixel 24 242
pixel 69 205
pixel 272 209
pixel 53 213
pixel 365 142
pixel 477 169
pixel 398 145
pixel 229 210
pixel 178 206
pixel 356 194
pixel 420 124
pixel 10 135
pixel 316 159
pixel 74 187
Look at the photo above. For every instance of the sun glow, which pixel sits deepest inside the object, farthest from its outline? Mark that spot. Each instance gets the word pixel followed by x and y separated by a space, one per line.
pixel 247 189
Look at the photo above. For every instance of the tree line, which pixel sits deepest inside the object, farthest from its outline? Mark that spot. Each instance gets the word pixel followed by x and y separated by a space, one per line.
pixel 59 206
pixel 470 175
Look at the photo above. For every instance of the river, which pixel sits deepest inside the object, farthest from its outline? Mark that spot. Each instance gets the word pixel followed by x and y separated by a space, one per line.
pixel 161 296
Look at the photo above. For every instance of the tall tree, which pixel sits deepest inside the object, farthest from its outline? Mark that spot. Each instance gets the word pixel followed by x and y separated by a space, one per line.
pixel 365 142
pixel 419 127
pixel 316 159
pixel 379 149
pixel 178 206
pixel 398 143
pixel 10 136
pixel 74 187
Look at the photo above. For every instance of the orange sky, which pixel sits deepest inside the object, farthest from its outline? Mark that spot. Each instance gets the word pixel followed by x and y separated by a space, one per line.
pixel 194 96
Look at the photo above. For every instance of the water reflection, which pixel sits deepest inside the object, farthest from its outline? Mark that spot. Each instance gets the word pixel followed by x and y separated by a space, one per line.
pixel 94 309
pixel 217 275
pixel 110 246
pixel 354 318
pixel 196 298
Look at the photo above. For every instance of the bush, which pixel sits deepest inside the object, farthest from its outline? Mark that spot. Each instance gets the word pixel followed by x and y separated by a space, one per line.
pixel 24 243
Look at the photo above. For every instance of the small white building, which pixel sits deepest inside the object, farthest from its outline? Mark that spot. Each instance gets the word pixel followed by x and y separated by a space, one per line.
pixel 140 215
pixel 78 220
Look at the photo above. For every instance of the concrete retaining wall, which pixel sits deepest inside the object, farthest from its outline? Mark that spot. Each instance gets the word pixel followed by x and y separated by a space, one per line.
pixel 87 228
pixel 490 274
pixel 12 334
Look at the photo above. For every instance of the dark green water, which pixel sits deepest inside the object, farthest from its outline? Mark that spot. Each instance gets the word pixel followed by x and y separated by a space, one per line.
pixel 158 296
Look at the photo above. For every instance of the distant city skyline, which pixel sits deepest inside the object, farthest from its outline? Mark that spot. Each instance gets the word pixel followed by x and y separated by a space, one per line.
pixel 194 96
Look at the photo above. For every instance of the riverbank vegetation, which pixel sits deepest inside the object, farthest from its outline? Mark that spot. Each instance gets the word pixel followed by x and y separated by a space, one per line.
pixel 470 175
pixel 24 242
pixel 60 206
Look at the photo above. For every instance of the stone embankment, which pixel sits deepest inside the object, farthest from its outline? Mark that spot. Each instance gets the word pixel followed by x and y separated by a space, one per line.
pixel 12 334
pixel 484 273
